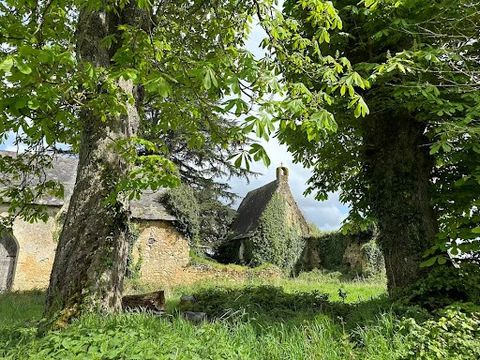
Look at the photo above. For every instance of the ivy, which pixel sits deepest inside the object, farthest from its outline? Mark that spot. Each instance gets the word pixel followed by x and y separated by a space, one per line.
pixel 327 251
pixel 133 268
pixel 445 285
pixel 182 204
pixel 275 241
pixel 454 334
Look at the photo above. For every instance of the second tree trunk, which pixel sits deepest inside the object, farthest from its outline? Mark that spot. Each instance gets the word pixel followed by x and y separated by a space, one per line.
pixel 398 170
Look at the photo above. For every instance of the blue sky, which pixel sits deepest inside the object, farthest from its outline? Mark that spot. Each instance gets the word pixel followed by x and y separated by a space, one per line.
pixel 327 215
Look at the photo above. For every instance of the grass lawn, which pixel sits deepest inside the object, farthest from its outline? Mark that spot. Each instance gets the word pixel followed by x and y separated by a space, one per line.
pixel 301 318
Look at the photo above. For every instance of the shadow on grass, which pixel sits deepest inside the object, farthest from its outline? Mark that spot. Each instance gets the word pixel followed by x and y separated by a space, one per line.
pixel 268 304
pixel 263 303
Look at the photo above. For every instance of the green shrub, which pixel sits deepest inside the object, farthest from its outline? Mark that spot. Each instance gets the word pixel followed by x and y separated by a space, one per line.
pixel 455 334
pixel 444 285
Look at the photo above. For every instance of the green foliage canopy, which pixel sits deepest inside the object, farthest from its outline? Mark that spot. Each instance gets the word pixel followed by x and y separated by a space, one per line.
pixel 186 60
pixel 188 64
pixel 407 55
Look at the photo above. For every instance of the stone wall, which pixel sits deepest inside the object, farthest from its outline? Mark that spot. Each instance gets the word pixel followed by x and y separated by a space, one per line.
pixel 36 251
pixel 355 254
pixel 364 259
pixel 199 273
pixel 294 216
pixel 160 253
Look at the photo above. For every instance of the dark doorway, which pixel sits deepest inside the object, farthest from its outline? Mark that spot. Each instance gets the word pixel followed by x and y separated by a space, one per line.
pixel 8 259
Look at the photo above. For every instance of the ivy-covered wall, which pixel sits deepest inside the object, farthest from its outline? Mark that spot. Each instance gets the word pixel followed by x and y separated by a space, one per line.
pixel 182 204
pixel 275 240
pixel 357 254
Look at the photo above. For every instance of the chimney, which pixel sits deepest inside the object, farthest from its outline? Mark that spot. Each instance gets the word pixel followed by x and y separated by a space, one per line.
pixel 282 173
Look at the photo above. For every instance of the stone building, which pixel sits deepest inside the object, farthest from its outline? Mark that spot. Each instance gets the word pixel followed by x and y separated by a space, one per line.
pixel 262 230
pixel 356 254
pixel 27 250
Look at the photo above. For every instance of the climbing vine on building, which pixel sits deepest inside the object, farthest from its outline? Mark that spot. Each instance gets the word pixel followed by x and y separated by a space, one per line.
pixel 275 241
pixel 182 204
pixel 356 254
pixel 133 265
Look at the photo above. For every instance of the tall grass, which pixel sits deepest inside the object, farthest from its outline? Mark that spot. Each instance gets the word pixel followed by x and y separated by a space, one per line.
pixel 302 318
pixel 18 308
pixel 142 336
pixel 269 320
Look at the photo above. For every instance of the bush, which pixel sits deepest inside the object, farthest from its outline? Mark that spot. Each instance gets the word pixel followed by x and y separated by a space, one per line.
pixel 443 286
pixel 455 334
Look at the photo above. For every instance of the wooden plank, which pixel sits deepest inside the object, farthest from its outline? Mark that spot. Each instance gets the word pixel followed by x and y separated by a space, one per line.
pixel 154 301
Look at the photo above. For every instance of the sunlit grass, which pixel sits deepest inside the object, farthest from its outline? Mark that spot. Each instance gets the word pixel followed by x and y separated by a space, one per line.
pixel 18 307
pixel 259 331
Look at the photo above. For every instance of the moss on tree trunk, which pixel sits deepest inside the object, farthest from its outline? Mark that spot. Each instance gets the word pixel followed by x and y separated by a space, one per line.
pixel 92 251
pixel 398 169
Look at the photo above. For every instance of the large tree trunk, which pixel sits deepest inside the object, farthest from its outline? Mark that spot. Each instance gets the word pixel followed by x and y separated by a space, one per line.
pixel 91 256
pixel 398 170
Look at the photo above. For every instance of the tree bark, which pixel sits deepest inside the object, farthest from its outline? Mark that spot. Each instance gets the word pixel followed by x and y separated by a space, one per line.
pixel 91 256
pixel 399 169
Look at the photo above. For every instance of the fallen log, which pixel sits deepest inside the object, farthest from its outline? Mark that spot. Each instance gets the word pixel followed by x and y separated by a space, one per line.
pixel 154 301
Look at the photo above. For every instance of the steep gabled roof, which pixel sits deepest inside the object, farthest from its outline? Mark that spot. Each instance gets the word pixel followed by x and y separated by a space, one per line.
pixel 64 170
pixel 251 209
pixel 254 204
